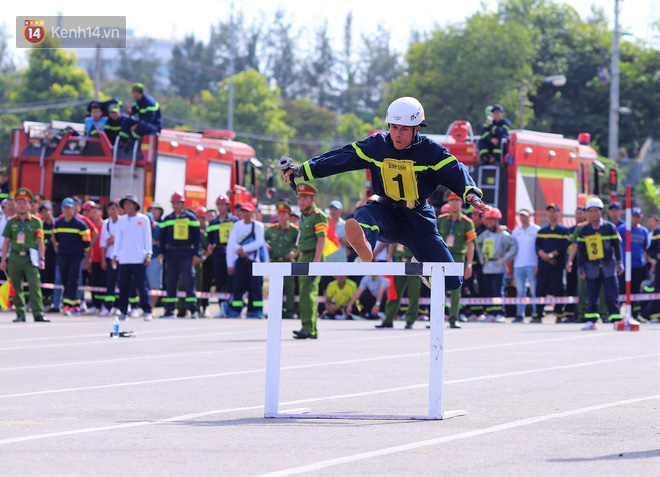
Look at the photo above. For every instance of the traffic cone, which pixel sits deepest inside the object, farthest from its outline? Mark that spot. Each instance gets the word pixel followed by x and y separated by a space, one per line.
pixel 627 325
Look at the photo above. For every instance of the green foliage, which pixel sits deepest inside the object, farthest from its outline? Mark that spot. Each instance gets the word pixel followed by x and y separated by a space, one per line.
pixel 310 122
pixel 137 63
pixel 191 68
pixel 462 68
pixel 257 111
pixel 51 74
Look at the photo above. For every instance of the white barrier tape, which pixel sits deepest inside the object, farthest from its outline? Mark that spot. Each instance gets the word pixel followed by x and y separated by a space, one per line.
pixel 404 301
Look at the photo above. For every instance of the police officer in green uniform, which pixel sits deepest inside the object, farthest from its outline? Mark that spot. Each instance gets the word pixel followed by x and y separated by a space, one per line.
pixel 26 234
pixel 281 239
pixel 459 234
pixel 313 232
pixel 414 287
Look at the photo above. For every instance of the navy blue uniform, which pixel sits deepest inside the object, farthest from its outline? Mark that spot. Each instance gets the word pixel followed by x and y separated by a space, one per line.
pixel 652 308
pixel 150 120
pixel 550 278
pixel 599 256
pixel 404 179
pixel 180 239
pixel 73 239
pixel 48 273
pixel 496 130
pixel 113 127
pixel 217 233
pixel 572 278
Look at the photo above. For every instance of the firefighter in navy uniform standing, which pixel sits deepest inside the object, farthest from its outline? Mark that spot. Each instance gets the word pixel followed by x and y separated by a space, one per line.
pixel 493 142
pixel 25 234
pixel 180 237
pixel 552 241
pixel 406 167
pixel 218 231
pixel 600 263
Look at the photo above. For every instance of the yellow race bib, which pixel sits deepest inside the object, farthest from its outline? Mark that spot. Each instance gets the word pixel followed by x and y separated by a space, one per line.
pixel 225 230
pixel 488 248
pixel 399 179
pixel 181 229
pixel 594 247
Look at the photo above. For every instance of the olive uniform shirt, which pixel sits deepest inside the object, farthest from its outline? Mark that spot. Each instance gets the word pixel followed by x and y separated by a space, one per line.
pixel 314 225
pixel 282 241
pixel 31 230
pixel 457 234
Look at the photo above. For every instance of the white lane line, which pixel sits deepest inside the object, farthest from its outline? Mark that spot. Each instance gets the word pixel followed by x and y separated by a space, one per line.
pixel 251 408
pixel 130 340
pixel 96 335
pixel 441 440
pixel 205 376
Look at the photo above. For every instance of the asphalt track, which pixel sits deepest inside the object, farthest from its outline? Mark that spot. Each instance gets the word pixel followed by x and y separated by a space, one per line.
pixel 186 398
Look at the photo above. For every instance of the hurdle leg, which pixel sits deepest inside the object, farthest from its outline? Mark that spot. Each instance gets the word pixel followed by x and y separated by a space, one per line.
pixel 437 341
pixel 274 345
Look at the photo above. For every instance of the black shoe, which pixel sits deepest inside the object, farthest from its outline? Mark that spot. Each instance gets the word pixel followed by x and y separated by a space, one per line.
pixel 455 324
pixel 303 335
pixel 518 319
pixel 536 320
pixel 40 319
pixel 19 319
pixel 384 325
pixel 409 326
pixel 53 309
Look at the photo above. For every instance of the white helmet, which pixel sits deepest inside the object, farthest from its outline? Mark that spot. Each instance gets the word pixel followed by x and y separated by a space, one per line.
pixel 405 111
pixel 594 202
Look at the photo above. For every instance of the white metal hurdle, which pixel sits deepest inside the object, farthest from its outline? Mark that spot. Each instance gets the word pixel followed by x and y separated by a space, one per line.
pixel 277 272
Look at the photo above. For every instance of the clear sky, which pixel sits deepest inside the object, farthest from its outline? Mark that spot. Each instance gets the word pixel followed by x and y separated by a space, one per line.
pixel 170 19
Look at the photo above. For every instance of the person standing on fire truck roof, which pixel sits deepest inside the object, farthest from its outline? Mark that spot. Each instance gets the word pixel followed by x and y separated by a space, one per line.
pixel 148 111
pixel 95 122
pixel 180 237
pixel 406 167
pixel 491 144
pixel 218 232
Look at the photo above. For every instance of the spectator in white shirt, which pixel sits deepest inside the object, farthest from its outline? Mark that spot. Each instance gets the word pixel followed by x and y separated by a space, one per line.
pixel 526 261
pixel 246 244
pixel 132 252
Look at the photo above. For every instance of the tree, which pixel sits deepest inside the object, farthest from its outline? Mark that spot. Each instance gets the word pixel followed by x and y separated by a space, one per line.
pixel 462 68
pixel 52 75
pixel 246 44
pixel 192 68
pixel 311 122
pixel 353 128
pixel 258 115
pixel 319 75
pixel 281 63
pixel 137 63
pixel 381 65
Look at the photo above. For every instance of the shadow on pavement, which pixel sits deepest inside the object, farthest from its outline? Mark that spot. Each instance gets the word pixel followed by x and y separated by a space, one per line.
pixel 623 455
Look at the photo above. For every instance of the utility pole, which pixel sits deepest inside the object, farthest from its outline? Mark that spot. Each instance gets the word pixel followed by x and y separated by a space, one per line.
pixel 97 73
pixel 613 140
pixel 230 115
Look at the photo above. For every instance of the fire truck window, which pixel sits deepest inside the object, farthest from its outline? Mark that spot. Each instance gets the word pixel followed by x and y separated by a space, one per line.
pixel 581 179
pixel 67 185
pixel 596 191
pixel 237 169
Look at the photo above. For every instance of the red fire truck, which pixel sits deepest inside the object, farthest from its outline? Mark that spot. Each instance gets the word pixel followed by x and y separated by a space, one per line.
pixel 538 169
pixel 57 161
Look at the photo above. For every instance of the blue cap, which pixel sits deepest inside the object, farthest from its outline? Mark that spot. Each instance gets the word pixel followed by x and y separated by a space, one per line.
pixel 637 211
pixel 68 202
pixel 497 107
pixel 336 204
pixel 615 205
pixel 553 205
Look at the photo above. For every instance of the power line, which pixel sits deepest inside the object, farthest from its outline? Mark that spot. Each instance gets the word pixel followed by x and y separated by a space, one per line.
pixel 42 106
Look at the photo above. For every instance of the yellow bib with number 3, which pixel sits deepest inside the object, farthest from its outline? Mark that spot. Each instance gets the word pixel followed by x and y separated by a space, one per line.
pixel 594 247
pixel 399 179
pixel 181 229
pixel 488 248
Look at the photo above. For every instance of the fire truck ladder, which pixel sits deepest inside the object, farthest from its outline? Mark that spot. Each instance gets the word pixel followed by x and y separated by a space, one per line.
pixel 115 166
pixel 492 180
